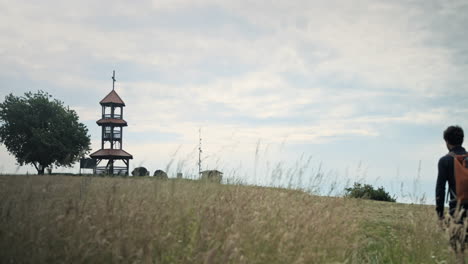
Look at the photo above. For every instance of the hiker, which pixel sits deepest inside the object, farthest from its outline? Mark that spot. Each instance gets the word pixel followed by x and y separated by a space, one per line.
pixel 453 137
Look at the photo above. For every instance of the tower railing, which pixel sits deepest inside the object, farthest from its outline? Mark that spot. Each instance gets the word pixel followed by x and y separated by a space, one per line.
pixel 118 170
pixel 110 116
pixel 117 135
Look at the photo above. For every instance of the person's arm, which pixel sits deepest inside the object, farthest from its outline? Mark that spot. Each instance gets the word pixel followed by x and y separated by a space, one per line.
pixel 440 188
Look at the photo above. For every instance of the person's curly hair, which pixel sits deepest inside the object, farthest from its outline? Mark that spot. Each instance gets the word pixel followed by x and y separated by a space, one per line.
pixel 454 135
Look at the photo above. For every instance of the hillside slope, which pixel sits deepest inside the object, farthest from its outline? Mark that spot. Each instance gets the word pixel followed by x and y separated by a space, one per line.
pixel 53 219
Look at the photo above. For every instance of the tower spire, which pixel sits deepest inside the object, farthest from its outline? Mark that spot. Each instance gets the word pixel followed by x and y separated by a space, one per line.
pixel 113 80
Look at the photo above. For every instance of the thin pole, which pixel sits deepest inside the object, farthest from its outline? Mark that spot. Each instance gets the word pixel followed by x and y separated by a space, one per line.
pixel 199 152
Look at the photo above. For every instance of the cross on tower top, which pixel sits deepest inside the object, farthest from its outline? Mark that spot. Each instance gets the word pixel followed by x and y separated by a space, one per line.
pixel 113 80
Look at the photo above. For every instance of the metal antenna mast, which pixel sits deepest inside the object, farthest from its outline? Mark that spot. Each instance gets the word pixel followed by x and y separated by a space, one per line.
pixel 113 80
pixel 199 153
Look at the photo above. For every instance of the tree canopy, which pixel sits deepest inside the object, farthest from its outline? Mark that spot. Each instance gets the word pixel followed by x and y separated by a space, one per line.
pixel 41 131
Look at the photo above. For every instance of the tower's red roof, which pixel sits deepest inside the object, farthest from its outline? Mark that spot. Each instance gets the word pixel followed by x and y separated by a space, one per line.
pixel 112 98
pixel 113 121
pixel 111 153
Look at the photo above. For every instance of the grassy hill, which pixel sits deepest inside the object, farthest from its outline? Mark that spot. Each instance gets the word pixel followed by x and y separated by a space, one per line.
pixel 49 219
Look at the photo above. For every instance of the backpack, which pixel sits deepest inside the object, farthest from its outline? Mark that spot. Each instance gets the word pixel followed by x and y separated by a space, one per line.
pixel 460 171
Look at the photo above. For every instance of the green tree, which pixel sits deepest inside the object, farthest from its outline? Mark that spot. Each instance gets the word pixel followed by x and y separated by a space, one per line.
pixel 366 191
pixel 41 131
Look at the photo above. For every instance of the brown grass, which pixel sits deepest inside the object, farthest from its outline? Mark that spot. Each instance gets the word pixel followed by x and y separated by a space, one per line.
pixel 58 219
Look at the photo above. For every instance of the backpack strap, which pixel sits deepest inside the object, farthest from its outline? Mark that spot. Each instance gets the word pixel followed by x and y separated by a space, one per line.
pixel 453 154
pixel 460 157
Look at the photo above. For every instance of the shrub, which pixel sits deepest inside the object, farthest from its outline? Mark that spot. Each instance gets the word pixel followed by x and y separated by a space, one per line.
pixel 140 171
pixel 160 174
pixel 212 176
pixel 366 191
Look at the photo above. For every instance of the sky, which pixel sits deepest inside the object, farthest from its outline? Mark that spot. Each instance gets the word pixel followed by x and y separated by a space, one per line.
pixel 311 94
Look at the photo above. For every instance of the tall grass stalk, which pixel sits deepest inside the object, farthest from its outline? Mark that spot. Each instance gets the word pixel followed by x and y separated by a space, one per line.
pixel 54 219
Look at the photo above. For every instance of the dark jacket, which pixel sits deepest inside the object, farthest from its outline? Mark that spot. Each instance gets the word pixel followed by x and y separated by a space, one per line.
pixel 446 175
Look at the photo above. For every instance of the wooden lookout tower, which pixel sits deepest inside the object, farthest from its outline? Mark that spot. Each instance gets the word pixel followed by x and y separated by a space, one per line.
pixel 112 124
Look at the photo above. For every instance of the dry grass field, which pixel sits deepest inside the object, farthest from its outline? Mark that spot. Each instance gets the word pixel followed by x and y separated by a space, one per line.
pixel 64 219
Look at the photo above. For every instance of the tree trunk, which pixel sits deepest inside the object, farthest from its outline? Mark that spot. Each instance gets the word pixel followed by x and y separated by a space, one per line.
pixel 40 170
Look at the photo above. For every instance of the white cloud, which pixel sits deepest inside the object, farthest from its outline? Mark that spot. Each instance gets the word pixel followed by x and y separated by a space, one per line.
pixel 377 44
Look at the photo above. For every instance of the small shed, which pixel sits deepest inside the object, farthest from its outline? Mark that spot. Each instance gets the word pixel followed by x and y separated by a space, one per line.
pixel 212 175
